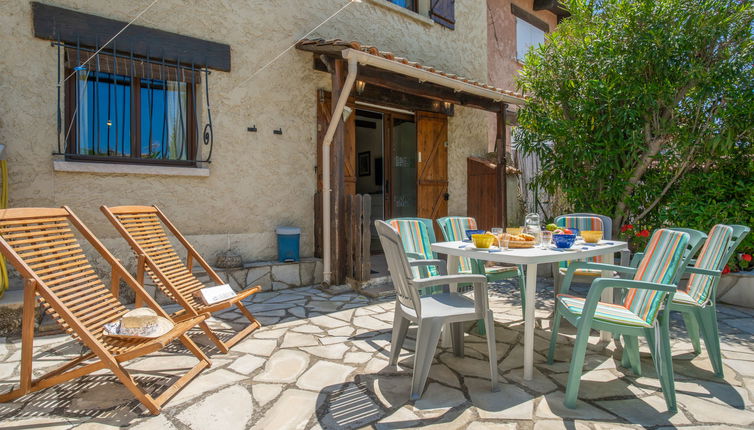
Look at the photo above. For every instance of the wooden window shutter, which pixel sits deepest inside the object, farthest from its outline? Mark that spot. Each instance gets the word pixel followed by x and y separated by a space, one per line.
pixel 443 12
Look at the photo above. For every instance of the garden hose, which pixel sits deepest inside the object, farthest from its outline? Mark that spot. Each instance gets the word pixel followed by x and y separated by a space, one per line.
pixel 3 205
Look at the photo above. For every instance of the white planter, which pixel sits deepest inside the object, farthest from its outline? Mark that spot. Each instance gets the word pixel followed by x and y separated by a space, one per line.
pixel 737 289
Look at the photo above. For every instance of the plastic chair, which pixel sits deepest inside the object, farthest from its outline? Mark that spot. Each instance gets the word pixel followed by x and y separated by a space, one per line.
pixel 454 229
pixel 431 313
pixel 696 301
pixel 417 236
pixel 640 313
pixel 581 221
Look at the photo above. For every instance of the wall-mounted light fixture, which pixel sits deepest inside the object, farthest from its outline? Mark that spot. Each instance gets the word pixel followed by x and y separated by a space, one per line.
pixel 446 105
pixel 360 85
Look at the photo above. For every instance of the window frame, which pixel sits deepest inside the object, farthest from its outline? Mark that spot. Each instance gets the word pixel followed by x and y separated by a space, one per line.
pixel 69 107
pixel 415 7
pixel 531 19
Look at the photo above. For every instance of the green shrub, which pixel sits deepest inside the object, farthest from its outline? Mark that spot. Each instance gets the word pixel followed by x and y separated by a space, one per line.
pixel 721 192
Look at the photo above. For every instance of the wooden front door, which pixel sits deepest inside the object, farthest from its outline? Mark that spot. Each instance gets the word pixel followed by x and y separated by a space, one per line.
pixel 432 165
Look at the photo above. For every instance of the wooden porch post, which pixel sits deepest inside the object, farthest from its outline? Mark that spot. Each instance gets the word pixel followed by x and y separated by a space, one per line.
pixel 502 163
pixel 337 181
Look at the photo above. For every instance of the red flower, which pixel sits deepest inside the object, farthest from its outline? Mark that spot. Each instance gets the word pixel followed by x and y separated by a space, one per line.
pixel 746 257
pixel 626 227
pixel 643 233
pixel 726 269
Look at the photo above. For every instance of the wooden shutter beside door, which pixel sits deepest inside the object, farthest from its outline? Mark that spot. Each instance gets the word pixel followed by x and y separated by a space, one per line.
pixel 432 167
pixel 443 13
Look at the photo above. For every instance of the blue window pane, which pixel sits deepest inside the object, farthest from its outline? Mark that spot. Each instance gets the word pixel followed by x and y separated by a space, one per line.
pixel 163 120
pixel 408 4
pixel 103 115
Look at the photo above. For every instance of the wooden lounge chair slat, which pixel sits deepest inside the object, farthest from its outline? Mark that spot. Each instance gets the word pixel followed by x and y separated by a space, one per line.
pixel 146 230
pixel 46 253
pixel 36 246
pixel 40 236
pixel 51 258
pixel 50 264
pixel 73 277
pixel 87 282
pixel 25 232
pixel 76 271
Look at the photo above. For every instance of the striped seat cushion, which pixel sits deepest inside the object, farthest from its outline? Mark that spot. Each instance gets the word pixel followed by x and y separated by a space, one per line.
pixel 455 229
pixel 605 311
pixel 416 241
pixel 662 258
pixel 682 297
pixel 711 258
pixel 581 223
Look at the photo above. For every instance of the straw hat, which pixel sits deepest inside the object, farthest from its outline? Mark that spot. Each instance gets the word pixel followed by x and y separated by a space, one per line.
pixel 139 322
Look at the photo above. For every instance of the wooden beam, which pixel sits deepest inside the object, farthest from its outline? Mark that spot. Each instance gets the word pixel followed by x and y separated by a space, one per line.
pixel 69 26
pixel 409 85
pixel 530 18
pixel 337 181
pixel 401 84
pixel 502 165
pixel 391 98
pixel 553 6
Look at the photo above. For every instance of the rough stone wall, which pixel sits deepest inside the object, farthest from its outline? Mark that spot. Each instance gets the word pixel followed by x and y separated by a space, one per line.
pixel 257 180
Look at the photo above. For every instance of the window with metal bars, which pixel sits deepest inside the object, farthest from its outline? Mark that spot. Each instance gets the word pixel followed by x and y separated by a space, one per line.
pixel 120 108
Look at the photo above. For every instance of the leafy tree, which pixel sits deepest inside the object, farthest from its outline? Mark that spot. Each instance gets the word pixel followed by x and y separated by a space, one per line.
pixel 626 96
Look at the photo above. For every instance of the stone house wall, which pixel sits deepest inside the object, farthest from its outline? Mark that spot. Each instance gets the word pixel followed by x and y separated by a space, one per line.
pixel 257 181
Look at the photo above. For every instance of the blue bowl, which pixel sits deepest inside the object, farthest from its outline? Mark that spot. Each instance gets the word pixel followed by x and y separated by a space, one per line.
pixel 470 232
pixel 564 241
pixel 575 231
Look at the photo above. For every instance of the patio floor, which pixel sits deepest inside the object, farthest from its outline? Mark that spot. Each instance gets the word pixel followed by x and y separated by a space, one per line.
pixel 321 362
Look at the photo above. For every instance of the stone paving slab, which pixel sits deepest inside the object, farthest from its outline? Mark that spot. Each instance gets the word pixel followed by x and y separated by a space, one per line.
pixel 320 362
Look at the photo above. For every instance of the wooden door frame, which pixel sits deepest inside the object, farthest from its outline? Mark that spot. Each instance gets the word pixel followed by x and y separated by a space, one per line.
pixel 387 152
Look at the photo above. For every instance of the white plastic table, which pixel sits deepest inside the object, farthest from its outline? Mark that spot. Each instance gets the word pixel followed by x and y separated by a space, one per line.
pixel 531 257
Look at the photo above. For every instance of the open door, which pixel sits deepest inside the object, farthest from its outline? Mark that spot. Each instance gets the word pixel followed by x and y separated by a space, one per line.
pixel 432 165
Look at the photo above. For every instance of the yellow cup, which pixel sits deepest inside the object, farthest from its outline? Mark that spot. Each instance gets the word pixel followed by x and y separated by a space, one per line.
pixel 591 236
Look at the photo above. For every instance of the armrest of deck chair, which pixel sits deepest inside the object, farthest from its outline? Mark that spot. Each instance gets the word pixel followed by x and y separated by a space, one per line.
pixel 182 325
pixel 440 264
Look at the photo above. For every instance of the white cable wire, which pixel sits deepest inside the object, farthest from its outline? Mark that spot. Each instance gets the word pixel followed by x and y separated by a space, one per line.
pixel 297 41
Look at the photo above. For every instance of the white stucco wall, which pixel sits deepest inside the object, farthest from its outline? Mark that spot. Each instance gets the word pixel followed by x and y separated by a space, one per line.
pixel 257 180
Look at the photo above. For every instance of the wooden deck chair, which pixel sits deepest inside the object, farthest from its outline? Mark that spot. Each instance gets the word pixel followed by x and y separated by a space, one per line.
pixel 41 245
pixel 142 227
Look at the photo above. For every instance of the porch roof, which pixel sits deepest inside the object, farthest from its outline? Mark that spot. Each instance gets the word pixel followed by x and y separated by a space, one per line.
pixel 383 68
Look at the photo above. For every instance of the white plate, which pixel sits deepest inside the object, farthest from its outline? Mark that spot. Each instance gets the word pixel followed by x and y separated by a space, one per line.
pixel 491 248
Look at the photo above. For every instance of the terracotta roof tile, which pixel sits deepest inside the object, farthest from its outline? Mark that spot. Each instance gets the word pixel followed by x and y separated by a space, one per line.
pixel 372 50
